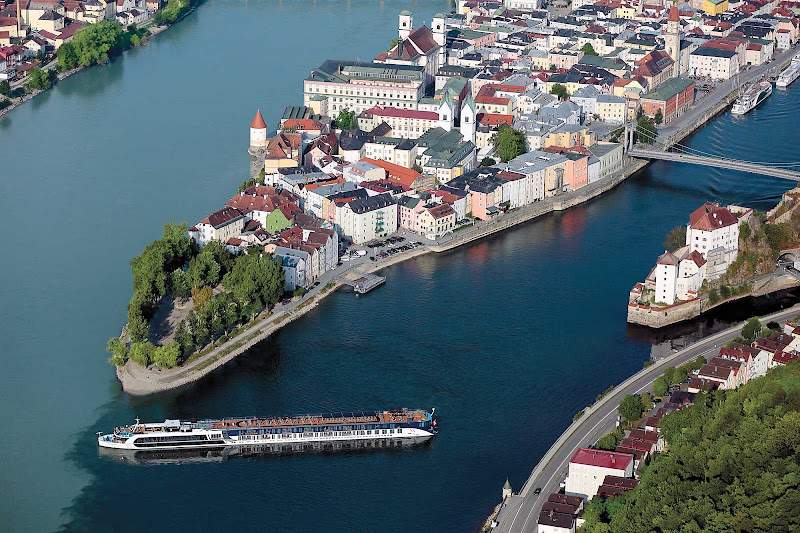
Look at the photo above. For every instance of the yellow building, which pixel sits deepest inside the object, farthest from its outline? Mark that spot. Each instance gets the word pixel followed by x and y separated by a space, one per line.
pixel 625 12
pixel 715 7
pixel 568 135
pixel 436 220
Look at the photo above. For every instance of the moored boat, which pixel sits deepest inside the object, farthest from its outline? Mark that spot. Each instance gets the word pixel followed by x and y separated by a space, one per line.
pixel 751 97
pixel 224 432
pixel 790 74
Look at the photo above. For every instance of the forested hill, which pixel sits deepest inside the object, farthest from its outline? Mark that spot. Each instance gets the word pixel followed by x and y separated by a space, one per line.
pixel 733 465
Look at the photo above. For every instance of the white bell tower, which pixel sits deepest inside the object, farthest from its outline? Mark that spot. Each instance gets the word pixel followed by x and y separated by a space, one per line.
pixel 406 24
pixel 468 118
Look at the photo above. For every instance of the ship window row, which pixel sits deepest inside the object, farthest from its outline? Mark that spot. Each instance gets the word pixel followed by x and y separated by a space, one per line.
pixel 328 434
pixel 177 438
pixel 316 429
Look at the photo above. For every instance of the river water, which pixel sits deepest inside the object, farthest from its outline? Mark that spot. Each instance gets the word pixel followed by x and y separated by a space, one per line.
pixel 507 338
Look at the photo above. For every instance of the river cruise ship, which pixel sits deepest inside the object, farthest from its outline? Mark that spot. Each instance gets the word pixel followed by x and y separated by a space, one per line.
pixel 750 98
pixel 791 73
pixel 220 433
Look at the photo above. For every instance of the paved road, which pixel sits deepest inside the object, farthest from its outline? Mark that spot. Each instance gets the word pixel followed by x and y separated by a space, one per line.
pixel 720 91
pixel 521 513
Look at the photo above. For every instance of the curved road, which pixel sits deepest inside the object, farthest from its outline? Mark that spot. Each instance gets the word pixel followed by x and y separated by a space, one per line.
pixel 520 513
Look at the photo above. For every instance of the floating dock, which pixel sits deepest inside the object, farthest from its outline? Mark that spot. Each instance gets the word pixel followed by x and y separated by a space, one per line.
pixel 361 282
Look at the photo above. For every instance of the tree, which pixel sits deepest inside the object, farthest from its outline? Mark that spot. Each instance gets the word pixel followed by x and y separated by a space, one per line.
pixel 346 120
pixel 118 351
pixel 137 324
pixel 200 296
pixel 38 79
pixel 95 43
pixel 172 11
pixel 646 129
pixel 67 57
pixel 203 270
pixel 588 50
pixel 5 88
pixel 647 402
pixel 179 287
pixel 611 441
pixel 659 118
pixel 488 162
pixel 660 386
pixel 183 336
pixel 560 91
pixel 724 291
pixel 508 143
pixel 167 356
pixel 394 42
pixel 713 296
pixel 247 183
pixel 675 239
pixel 142 353
pixel 630 408
pixel 745 231
pixel 778 236
pixel 256 279
pixel 751 329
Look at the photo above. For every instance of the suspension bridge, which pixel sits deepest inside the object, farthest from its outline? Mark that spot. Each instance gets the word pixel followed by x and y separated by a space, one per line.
pixel 673 151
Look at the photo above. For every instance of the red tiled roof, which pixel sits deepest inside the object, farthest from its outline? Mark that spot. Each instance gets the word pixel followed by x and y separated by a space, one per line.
pixel 397 173
pixel 601 458
pixel 709 217
pixel 221 217
pixel 258 122
pixel 494 119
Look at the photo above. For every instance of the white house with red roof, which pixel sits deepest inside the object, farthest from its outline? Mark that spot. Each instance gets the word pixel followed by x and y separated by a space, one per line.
pixel 713 231
pixel 218 226
pixel 588 468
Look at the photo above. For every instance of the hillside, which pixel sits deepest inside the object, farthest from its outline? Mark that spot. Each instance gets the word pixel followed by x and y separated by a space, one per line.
pixel 733 465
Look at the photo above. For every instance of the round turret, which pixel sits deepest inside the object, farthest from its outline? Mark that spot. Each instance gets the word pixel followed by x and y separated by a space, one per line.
pixel 258 131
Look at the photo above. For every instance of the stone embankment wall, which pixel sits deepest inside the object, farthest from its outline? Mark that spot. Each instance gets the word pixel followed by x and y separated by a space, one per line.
pixel 529 212
pixel 658 317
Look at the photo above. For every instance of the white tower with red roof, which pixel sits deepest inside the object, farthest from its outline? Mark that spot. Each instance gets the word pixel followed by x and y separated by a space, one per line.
pixel 258 132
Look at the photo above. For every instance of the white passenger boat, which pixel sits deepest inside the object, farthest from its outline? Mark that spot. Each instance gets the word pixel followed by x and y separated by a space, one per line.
pixel 791 73
pixel 751 97
pixel 223 432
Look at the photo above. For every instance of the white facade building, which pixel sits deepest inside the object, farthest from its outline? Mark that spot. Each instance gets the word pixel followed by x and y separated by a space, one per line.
pixel 666 275
pixel 711 227
pixel 588 468
pixel 368 218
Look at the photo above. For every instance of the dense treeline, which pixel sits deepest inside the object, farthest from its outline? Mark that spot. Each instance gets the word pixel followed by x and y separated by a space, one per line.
pixel 174 10
pixel 733 465
pixel 97 43
pixel 174 266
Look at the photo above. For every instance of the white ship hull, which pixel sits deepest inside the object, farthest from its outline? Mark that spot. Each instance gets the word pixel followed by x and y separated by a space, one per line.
pixel 788 76
pixel 752 97
pixel 393 424
pixel 214 439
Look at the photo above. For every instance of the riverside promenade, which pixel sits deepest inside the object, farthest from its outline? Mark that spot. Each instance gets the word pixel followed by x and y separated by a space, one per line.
pixel 520 512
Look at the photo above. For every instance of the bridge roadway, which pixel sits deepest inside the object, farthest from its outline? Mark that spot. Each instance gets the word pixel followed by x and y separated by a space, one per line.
pixel 718 162
pixel 521 513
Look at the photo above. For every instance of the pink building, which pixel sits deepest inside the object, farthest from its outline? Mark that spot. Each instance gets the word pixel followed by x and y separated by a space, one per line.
pixel 409 211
